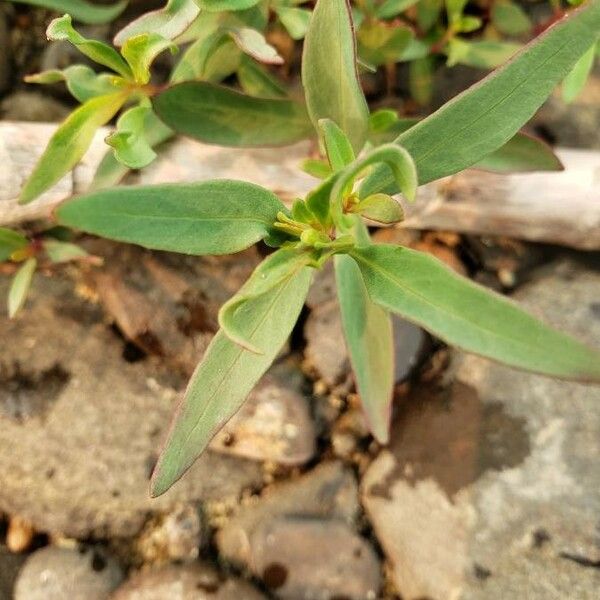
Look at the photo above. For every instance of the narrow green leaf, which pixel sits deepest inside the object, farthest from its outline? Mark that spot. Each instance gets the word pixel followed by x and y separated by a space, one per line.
pixel 110 171
pixel 509 18
pixel 487 115
pixel 273 273
pixel 60 252
pixel 223 5
pixel 70 142
pixel 337 146
pixel 129 142
pixel 575 81
pixel 19 286
pixel 218 115
pixel 61 29
pixel 369 338
pixel 521 154
pixel 481 54
pixel 390 9
pixel 168 22
pixel 257 81
pixel 140 51
pixel 329 74
pixel 380 43
pixel 226 376
pixel 295 20
pixel 9 242
pixel 82 82
pixel 422 289
pixel 209 217
pixel 428 13
pixel 316 167
pixel 254 43
pixel 420 80
pixel 80 10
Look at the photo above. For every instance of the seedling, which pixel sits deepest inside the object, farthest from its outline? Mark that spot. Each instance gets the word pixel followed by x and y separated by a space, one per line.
pixel 374 280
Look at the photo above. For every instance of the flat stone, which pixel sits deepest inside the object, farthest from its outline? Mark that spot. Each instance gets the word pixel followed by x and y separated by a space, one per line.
pixel 191 582
pixel 314 559
pixel 490 488
pixel 274 423
pixel 32 106
pixel 327 492
pixel 59 573
pixel 81 427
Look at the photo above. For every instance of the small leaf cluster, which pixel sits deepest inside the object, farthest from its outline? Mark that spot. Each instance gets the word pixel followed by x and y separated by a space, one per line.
pixel 367 159
pixel 53 247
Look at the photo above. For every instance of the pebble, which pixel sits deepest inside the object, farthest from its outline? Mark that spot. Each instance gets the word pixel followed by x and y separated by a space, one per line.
pixel 59 573
pixel 190 582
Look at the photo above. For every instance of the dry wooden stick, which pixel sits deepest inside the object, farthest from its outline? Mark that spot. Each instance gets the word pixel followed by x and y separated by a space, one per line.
pixel 561 208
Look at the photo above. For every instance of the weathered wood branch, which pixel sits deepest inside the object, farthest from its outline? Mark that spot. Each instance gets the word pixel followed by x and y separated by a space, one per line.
pixel 561 208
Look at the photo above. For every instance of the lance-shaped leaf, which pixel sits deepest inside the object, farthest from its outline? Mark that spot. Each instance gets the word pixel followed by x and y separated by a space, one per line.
pixel 272 273
pixel 218 115
pixel 521 154
pixel 223 5
pixel 481 54
pixel 329 74
pixel 81 10
pixel 257 81
pixel 110 171
pixel 295 20
pixel 369 338
pixel 60 252
pixel 17 294
pixel 82 81
pixel 254 43
pixel 9 242
pixel 70 142
pixel 168 22
pixel 422 289
pixel 131 147
pixel 140 52
pixel 380 208
pixel 337 146
pixel 575 81
pixel 61 29
pixel 487 115
pixel 226 376
pixel 209 217
pixel 380 43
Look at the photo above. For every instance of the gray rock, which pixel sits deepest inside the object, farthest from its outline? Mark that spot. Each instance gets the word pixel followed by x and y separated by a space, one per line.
pixel 314 559
pixel 58 573
pixel 32 106
pixel 10 565
pixel 490 489
pixel 327 492
pixel 191 582
pixel 81 427
pixel 274 424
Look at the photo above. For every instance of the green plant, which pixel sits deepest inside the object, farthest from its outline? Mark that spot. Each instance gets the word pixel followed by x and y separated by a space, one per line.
pixel 217 217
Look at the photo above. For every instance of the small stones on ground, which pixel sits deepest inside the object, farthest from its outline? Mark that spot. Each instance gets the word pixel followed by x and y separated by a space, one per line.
pixel 298 537
pixel 190 582
pixel 274 424
pixel 175 536
pixel 314 559
pixel 58 573
pixel 327 492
